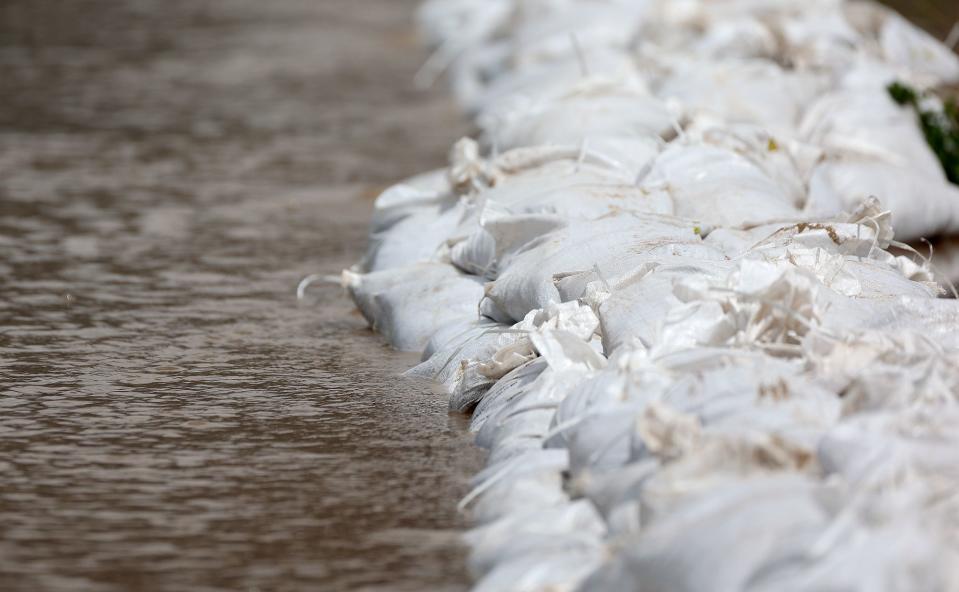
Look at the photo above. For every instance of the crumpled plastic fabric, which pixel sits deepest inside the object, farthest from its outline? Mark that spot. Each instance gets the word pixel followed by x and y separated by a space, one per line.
pixel 668 285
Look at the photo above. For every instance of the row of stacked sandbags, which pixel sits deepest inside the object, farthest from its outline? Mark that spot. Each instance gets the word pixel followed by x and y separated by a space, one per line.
pixel 661 283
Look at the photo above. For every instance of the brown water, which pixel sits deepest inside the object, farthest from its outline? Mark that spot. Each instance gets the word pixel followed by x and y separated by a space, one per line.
pixel 936 16
pixel 170 417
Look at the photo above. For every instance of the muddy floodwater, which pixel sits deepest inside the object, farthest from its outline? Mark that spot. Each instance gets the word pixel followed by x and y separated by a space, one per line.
pixel 171 417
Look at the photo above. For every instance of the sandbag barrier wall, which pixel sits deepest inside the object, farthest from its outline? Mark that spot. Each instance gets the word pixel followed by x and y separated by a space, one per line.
pixel 660 281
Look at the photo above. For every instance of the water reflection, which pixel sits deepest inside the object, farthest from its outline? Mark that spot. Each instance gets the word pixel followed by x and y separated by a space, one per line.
pixel 171 417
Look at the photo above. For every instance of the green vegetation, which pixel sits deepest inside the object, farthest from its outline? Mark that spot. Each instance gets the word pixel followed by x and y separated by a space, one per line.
pixel 941 128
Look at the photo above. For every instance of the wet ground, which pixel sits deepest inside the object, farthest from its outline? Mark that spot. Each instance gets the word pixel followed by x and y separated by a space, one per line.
pixel 936 16
pixel 170 417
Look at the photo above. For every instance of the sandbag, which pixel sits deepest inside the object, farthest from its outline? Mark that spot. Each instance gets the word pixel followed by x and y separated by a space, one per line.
pixel 663 283
pixel 612 244
pixel 721 187
pixel 408 304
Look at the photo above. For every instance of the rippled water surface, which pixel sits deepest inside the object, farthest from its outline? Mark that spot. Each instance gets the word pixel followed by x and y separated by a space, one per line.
pixel 171 418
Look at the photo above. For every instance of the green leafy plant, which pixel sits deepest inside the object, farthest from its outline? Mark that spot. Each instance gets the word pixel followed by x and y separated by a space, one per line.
pixel 941 128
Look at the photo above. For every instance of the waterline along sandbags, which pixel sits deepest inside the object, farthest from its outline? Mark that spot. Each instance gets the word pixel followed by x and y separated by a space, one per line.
pixel 669 281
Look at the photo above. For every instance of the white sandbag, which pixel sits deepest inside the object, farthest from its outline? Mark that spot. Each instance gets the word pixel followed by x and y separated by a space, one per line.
pixel 534 530
pixel 735 243
pixel 836 186
pixel 531 480
pixel 750 524
pixel 772 307
pixel 481 252
pixel 682 26
pixel 511 387
pixel 400 200
pixel 529 206
pixel 613 244
pixel 415 238
pixel 593 285
pixel 878 371
pixel 541 187
pixel 924 59
pixel 746 91
pixel 574 181
pixel 565 351
pixel 697 460
pixel 620 120
pixel 729 414
pixel 410 221
pixel 528 425
pixel 537 334
pixel 933 318
pixel 463 21
pixel 448 338
pixel 550 30
pixel 874 147
pixel 745 400
pixel 721 187
pixel 635 306
pixel 901 557
pixel 531 415
pixel 541 82
pixel 782 158
pixel 848 257
pixel 561 334
pixel 457 350
pixel 554 570
pixel 766 307
pixel 615 493
pixel 408 304
pixel 877 450
pixel 867 125
pixel 473 356
pixel 758 394
pixel 692 369
pixel 741 37
pixel 512 448
pixel 820 38
pixel 753 413
pixel 595 421
pixel 540 32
